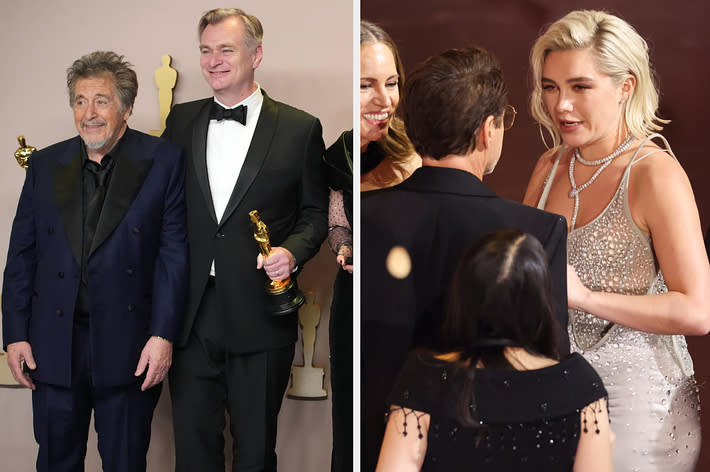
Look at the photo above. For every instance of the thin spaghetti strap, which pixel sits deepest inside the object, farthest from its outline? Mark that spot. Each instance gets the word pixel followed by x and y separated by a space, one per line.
pixel 548 181
pixel 636 158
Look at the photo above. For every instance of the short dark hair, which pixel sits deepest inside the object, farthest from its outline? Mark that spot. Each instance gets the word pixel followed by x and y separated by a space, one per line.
pixel 100 63
pixel 499 296
pixel 448 97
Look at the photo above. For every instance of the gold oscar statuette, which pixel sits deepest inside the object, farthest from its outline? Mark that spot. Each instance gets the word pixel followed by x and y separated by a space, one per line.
pixel 307 380
pixel 23 153
pixel 165 79
pixel 284 297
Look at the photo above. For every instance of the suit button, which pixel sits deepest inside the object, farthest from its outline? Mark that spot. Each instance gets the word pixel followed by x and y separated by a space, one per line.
pixel 219 235
pixel 59 313
pixel 131 307
pixel 136 229
pixel 129 271
pixel 60 275
pixel 50 230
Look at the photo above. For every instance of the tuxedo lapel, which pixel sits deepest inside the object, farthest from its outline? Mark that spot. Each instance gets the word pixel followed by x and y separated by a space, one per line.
pixel 66 180
pixel 126 182
pixel 199 155
pixel 258 149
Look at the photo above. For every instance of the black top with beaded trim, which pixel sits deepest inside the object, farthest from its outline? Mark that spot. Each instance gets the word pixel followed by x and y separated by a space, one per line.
pixel 529 419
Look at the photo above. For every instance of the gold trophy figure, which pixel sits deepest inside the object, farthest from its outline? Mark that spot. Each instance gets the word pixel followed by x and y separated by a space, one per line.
pixel 24 152
pixel 284 297
pixel 307 380
pixel 165 78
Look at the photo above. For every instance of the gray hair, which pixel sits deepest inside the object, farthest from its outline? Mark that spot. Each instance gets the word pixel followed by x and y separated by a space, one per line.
pixel 99 63
pixel 254 32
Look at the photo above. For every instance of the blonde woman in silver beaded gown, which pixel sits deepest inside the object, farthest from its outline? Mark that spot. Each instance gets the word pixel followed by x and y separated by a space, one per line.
pixel 638 271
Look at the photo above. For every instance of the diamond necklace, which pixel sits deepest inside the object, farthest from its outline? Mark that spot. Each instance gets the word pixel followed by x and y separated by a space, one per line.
pixel 605 162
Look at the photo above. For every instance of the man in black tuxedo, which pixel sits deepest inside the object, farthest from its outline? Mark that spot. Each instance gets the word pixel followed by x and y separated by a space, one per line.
pixel 245 152
pixel 96 275
pixel 413 234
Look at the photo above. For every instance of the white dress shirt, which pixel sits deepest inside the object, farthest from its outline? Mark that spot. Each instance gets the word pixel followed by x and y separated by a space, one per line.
pixel 227 144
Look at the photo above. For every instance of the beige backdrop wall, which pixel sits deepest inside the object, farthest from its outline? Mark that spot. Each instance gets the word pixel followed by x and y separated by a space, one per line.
pixel 307 63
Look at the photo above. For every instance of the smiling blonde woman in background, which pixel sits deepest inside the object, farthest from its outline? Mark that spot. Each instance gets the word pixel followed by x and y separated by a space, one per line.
pixel 639 274
pixel 386 155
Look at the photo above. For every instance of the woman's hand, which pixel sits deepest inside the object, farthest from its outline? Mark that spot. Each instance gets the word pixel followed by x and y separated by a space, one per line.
pixel 344 253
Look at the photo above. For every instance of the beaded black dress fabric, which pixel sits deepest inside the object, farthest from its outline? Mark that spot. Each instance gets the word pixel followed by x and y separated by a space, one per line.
pixel 530 420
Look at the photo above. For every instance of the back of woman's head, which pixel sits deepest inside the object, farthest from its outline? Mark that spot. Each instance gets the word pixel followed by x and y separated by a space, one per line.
pixel 500 296
pixel 619 51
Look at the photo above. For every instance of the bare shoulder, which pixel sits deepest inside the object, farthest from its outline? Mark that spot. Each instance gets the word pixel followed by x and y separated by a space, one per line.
pixel 654 172
pixel 655 167
pixel 539 175
pixel 546 160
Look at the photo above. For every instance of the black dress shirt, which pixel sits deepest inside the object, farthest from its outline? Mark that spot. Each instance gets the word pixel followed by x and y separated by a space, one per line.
pixel 94 175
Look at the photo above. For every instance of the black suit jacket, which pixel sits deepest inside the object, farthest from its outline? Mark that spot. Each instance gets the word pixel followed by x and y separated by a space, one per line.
pixel 282 178
pixel 137 266
pixel 435 215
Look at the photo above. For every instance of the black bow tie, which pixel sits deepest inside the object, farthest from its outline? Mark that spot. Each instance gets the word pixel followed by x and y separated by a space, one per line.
pixel 220 113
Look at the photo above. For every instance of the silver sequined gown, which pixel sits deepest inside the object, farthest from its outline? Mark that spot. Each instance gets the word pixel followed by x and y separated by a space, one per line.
pixel 653 399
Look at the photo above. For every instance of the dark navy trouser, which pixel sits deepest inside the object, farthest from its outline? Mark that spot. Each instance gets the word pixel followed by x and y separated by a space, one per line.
pixel 122 418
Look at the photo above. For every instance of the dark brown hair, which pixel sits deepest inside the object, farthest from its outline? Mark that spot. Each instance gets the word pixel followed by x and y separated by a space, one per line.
pixel 447 99
pixel 499 297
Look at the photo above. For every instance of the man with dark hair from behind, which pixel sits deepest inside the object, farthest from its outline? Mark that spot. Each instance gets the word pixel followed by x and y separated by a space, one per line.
pixel 456 112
